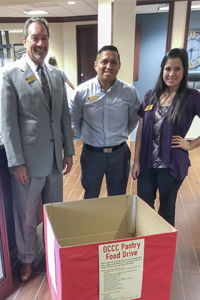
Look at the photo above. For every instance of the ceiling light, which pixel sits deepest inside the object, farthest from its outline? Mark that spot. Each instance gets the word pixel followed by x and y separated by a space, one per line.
pixel 163 7
pixel 195 6
pixel 35 12
pixel 71 2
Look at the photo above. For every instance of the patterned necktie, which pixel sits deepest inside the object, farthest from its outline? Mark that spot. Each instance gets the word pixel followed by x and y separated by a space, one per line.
pixel 45 85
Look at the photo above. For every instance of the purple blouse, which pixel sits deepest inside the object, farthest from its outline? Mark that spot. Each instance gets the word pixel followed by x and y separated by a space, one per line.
pixel 176 159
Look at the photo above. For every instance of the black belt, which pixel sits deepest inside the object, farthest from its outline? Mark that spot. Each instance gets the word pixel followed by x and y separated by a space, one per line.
pixel 104 149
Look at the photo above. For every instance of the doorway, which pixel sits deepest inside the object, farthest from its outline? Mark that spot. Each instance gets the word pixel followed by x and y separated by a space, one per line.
pixel 86 51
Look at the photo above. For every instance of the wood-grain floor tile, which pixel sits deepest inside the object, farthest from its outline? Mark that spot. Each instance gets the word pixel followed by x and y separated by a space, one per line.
pixel 73 178
pixel 103 192
pixel 176 293
pixel 75 195
pixel 194 157
pixel 16 283
pixel 191 285
pixel 180 212
pixel 197 250
pixel 193 182
pixel 186 193
pixel 193 218
pixel 197 169
pixel 186 252
pixel 30 289
pixel 67 189
pixel 44 292
pixel 197 150
pixel 78 185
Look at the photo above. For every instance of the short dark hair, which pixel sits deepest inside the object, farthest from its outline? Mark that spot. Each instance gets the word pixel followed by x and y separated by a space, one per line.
pixel 35 20
pixel 108 48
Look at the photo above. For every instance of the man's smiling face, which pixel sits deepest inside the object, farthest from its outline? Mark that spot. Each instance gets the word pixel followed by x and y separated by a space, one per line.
pixel 107 67
pixel 37 42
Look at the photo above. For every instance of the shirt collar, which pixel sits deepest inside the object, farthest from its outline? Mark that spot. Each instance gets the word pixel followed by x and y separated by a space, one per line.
pixel 33 65
pixel 98 84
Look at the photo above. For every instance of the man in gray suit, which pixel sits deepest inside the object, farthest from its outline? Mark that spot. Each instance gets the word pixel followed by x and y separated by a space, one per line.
pixel 36 131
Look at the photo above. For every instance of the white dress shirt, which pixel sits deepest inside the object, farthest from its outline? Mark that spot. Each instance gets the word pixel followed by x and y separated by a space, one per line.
pixel 33 67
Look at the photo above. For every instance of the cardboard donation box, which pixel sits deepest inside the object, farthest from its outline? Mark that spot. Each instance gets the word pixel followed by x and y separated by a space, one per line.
pixel 114 248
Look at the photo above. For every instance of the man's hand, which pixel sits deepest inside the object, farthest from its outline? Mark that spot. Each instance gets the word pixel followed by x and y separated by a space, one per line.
pixel 20 174
pixel 67 164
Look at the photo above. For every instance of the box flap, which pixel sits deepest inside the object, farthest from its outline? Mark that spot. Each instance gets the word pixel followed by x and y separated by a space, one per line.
pixel 148 222
pixel 91 217
pixel 94 238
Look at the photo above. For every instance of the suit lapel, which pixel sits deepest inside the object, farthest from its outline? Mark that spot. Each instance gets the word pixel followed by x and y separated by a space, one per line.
pixel 27 73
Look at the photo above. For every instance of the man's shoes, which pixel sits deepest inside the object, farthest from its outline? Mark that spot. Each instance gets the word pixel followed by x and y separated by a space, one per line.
pixel 25 272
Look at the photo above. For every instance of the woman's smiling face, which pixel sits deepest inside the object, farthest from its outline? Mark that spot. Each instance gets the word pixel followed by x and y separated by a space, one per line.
pixel 173 73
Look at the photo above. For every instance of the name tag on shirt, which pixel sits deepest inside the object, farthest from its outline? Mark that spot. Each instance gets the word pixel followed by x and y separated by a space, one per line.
pixel 93 98
pixel 31 78
pixel 149 107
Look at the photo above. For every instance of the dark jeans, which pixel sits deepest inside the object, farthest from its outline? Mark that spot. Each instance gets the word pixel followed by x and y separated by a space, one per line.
pixel 152 179
pixel 115 166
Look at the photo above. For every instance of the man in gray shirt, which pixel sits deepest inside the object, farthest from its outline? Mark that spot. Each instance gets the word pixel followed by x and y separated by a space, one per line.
pixel 104 112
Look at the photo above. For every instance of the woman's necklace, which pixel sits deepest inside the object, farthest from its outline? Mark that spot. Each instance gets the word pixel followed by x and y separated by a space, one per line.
pixel 167 98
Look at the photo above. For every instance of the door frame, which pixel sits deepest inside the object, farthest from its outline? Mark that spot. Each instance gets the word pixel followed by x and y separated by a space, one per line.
pixel 78 29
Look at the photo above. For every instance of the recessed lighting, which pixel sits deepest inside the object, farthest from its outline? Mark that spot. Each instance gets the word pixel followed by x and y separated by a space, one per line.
pixel 163 7
pixel 71 2
pixel 35 12
pixel 195 6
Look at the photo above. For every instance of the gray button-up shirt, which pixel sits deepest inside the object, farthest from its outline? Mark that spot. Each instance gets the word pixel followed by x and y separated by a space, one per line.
pixel 103 118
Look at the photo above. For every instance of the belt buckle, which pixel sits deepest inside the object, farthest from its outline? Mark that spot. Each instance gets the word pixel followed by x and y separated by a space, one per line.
pixel 107 150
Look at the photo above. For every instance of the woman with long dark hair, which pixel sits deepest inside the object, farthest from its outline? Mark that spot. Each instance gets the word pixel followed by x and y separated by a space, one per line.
pixel 161 150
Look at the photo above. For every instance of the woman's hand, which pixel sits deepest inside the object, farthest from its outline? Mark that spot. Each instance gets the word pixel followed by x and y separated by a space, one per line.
pixel 179 142
pixel 135 171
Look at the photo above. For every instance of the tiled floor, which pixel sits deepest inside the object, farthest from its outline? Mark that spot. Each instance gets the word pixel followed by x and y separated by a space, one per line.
pixel 186 275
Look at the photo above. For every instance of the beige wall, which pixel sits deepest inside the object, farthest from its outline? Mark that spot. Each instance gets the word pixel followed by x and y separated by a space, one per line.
pixel 15 38
pixel 179 22
pixel 125 12
pixel 69 49
pixel 104 22
pixel 56 43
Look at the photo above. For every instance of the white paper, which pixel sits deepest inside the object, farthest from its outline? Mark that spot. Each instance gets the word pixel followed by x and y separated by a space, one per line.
pixel 121 270
pixel 51 255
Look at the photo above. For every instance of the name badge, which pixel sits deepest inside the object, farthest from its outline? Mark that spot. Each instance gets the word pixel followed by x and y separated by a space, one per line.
pixel 31 78
pixel 149 107
pixel 93 98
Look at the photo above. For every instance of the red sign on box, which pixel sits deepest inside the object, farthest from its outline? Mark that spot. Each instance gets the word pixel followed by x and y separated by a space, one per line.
pixel 78 233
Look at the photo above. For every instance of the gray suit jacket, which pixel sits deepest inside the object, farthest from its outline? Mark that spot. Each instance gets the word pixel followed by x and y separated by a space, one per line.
pixel 30 131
